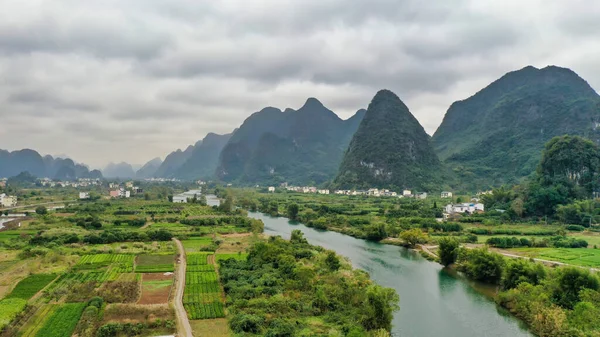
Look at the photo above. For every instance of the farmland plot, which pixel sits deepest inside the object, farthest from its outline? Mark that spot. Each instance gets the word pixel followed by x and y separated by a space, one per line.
pixel 63 321
pixel 31 286
pixel 9 309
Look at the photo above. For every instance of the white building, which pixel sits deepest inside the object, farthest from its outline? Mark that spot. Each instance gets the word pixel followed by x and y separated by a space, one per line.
pixel 446 195
pixel 323 191
pixel 422 195
pixel 183 197
pixel 271 189
pixel 84 195
pixel 406 193
pixel 7 200
pixel 464 208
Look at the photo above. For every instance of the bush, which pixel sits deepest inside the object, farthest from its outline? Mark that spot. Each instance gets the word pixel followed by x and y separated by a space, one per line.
pixel 448 251
pixel 480 264
pixel 247 323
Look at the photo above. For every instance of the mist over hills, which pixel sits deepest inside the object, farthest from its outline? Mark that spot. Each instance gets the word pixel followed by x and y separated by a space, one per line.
pixel 491 138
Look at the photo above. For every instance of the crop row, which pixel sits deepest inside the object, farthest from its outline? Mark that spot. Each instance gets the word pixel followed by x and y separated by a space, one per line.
pixel 201 268
pixel 202 293
pixel 105 259
pixel 9 309
pixel 35 324
pixel 200 277
pixel 157 268
pixel 204 310
pixel 31 285
pixel 63 321
pixel 197 259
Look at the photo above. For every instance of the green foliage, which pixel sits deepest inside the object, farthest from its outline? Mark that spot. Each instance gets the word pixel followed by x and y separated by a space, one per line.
pixel 41 210
pixel 570 282
pixel 292 211
pixel 516 115
pixel 413 237
pixel 9 309
pixel 389 149
pixel 31 285
pixel 518 271
pixel 63 321
pixel 480 264
pixel 448 250
pixel 260 300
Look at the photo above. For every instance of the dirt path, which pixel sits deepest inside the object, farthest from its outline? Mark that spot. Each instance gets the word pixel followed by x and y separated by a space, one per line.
pixel 183 323
pixel 427 250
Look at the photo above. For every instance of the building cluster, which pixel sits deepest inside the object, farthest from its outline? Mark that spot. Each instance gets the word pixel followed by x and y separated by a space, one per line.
pixel 3 182
pixel 183 197
pixel 7 200
pixel 302 189
pixel 120 193
pixel 81 182
pixel 472 207
pixel 161 180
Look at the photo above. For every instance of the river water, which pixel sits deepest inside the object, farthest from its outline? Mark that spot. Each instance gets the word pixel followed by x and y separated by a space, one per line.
pixel 433 302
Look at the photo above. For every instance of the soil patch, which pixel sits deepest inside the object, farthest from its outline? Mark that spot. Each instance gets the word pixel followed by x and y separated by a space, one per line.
pixel 156 288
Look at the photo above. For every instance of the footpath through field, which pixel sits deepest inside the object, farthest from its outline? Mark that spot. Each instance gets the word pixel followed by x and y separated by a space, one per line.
pixel 428 250
pixel 183 323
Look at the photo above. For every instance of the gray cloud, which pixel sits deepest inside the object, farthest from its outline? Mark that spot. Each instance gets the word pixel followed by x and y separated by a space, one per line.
pixel 131 80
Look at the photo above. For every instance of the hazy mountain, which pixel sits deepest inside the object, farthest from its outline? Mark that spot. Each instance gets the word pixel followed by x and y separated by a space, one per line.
pixel 496 136
pixel 390 149
pixel 203 159
pixel 26 160
pixel 174 161
pixel 149 169
pixel 272 146
pixel 119 170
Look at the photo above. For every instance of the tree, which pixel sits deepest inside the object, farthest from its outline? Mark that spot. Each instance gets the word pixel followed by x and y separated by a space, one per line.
pixel 382 302
pixel 332 261
pixel 518 271
pixel 480 264
pixel 41 210
pixel 170 198
pixel 570 282
pixel 202 201
pixel 297 237
pixel 570 160
pixel 146 196
pixel 227 205
pixel 292 211
pixel 413 237
pixel 448 250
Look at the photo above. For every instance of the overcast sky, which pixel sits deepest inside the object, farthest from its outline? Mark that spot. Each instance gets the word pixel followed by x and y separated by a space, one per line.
pixel 131 80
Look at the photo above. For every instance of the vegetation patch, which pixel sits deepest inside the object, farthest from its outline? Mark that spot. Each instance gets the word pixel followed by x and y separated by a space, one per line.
pixel 9 309
pixel 63 321
pixel 31 285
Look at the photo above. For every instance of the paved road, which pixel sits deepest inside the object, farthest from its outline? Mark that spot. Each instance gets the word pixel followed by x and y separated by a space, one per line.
pixel 183 323
pixel 35 205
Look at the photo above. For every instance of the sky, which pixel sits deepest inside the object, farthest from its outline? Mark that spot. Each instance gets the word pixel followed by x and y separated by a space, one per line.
pixel 114 80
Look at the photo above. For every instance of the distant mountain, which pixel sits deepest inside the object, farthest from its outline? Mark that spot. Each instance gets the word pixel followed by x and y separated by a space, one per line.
pixel 120 170
pixel 390 149
pixel 26 160
pixel 496 136
pixel 203 159
pixel 299 147
pixel 174 161
pixel 149 169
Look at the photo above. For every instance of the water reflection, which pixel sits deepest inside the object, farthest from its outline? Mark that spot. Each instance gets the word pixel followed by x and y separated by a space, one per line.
pixel 434 301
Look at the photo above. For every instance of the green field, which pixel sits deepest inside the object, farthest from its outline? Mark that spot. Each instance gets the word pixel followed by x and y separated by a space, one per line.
pixel 575 256
pixel 155 263
pixel 196 244
pixel 9 308
pixel 63 321
pixel 239 256
pixel 31 286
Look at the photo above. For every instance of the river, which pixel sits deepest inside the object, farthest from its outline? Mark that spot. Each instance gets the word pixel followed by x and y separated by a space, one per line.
pixel 433 302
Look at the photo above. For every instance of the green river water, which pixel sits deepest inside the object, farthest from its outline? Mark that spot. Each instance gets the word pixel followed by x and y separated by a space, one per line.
pixel 433 301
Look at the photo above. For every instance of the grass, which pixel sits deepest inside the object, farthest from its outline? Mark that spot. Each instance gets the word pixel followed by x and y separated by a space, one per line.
pixel 216 327
pixel 31 285
pixel 575 256
pixel 9 309
pixel 63 321
pixel 238 256
pixel 196 244
pixel 154 285
pixel 35 323
pixel 155 264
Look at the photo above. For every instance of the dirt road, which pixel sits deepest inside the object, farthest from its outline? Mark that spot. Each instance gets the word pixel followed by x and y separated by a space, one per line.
pixel 183 324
